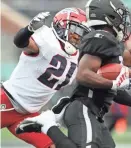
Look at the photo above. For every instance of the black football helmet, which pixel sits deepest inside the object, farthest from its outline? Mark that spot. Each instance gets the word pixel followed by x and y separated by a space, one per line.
pixel 109 12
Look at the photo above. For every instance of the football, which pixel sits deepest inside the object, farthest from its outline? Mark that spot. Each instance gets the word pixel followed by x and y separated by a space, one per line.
pixel 110 71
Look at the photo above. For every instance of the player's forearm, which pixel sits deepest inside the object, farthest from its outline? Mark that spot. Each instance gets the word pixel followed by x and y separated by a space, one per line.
pixel 90 78
pixel 130 73
pixel 127 58
pixel 21 39
pixel 60 140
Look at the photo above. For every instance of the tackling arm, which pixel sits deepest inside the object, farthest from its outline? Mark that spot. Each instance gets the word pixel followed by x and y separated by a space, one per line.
pixel 23 39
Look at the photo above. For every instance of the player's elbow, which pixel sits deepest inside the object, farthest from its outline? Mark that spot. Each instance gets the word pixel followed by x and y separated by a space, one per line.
pixel 19 43
pixel 80 76
pixel 21 39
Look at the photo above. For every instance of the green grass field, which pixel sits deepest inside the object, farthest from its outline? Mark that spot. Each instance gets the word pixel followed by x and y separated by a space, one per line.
pixel 119 138
pixel 122 138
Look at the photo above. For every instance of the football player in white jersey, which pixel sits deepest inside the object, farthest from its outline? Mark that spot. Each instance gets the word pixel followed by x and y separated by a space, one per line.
pixel 47 121
pixel 48 64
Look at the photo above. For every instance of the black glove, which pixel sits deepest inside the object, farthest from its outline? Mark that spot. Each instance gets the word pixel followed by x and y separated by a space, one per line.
pixel 28 126
pixel 57 108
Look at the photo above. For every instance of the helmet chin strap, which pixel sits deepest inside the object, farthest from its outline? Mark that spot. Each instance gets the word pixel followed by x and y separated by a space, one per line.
pixel 120 34
pixel 69 48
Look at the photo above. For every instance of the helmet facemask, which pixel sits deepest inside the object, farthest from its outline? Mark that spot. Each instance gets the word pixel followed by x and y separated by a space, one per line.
pixel 121 25
pixel 71 35
pixel 75 33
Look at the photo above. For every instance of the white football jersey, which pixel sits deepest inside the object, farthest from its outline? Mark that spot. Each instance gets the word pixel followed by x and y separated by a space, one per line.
pixel 35 79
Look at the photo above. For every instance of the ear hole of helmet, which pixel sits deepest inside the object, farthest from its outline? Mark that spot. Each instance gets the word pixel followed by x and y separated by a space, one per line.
pixel 60 31
pixel 105 27
pixel 112 17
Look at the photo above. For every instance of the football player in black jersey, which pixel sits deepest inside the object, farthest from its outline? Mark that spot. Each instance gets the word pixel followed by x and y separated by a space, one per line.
pixel 93 94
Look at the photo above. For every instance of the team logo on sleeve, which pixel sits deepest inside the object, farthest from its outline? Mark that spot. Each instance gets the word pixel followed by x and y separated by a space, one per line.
pixel 2 106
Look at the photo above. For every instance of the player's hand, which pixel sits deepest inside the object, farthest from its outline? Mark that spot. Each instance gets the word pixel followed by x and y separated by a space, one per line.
pixel 39 123
pixel 28 126
pixel 123 80
pixel 38 21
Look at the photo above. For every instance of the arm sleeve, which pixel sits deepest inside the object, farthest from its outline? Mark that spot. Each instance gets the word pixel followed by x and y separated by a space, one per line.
pixel 60 140
pixel 123 97
pixel 21 39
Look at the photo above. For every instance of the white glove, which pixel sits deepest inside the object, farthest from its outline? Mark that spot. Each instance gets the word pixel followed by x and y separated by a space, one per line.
pixel 38 21
pixel 59 117
pixel 122 81
pixel 45 119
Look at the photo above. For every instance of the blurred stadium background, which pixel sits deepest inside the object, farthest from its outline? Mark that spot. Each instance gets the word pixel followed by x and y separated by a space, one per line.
pixel 16 14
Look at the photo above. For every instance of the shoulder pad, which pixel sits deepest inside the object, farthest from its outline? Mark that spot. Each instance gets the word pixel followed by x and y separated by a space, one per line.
pixel 100 43
pixel 100 34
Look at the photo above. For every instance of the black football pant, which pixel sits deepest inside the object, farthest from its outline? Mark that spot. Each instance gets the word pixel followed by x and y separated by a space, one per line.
pixel 84 129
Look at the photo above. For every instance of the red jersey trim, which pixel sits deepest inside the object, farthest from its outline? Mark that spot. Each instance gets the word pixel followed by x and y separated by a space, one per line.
pixel 31 54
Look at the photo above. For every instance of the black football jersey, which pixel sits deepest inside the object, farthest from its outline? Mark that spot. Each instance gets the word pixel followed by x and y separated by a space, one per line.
pixel 104 45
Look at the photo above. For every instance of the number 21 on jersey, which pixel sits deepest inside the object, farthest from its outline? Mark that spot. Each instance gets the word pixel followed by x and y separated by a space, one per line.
pixel 59 64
